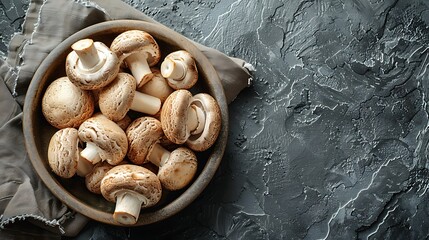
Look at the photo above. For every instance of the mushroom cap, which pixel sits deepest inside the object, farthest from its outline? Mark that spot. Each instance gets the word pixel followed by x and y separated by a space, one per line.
pixel 134 41
pixel 133 178
pixel 204 140
pixel 97 78
pixel 178 171
pixel 116 98
pixel 107 135
pixel 63 154
pixel 157 86
pixel 174 116
pixel 65 105
pixel 143 133
pixel 93 179
pixel 191 75
pixel 124 122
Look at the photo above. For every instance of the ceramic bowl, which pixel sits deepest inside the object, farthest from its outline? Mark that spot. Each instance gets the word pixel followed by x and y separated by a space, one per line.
pixel 38 131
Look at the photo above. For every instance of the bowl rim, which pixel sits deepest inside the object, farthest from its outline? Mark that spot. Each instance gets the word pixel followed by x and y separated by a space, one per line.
pixel 201 181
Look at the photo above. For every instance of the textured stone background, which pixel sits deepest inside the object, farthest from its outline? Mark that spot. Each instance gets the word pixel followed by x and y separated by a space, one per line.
pixel 331 141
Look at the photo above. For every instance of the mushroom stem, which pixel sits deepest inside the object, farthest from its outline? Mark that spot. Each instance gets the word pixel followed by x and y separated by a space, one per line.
pixel 196 119
pixel 172 68
pixel 145 103
pixel 128 206
pixel 84 167
pixel 90 153
pixel 139 67
pixel 88 54
pixel 158 155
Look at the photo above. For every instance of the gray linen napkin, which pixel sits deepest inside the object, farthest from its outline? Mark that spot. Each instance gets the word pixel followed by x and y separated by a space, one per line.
pixel 23 197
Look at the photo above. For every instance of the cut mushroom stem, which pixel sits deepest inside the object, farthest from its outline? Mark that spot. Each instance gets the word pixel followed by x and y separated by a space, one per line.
pixel 128 206
pixel 84 167
pixel 158 155
pixel 171 68
pixel 145 103
pixel 196 119
pixel 139 67
pixel 88 54
pixel 90 153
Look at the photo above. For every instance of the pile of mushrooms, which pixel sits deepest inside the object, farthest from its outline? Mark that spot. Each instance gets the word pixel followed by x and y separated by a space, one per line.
pixel 118 111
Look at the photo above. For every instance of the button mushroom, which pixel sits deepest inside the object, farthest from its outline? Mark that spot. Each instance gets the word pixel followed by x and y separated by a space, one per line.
pixel 124 122
pixel 65 105
pixel 194 120
pixel 157 86
pixel 132 187
pixel 140 51
pixel 176 168
pixel 91 65
pixel 63 154
pixel 93 178
pixel 104 139
pixel 116 99
pixel 180 70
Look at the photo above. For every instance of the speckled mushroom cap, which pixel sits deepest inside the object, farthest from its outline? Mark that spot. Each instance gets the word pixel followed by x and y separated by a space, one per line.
pixel 65 105
pixel 93 179
pixel 97 77
pixel 191 74
pixel 63 154
pixel 124 122
pixel 116 98
pixel 179 169
pixel 133 41
pixel 203 141
pixel 174 115
pixel 134 178
pixel 142 134
pixel 107 135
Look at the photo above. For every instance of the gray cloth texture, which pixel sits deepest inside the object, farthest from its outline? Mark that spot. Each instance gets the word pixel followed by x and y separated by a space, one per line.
pixel 23 196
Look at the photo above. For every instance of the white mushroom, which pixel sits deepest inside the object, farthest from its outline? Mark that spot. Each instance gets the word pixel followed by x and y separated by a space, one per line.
pixel 194 120
pixel 180 70
pixel 63 154
pixel 124 122
pixel 132 187
pixel 116 99
pixel 91 65
pixel 65 105
pixel 94 177
pixel 140 51
pixel 157 86
pixel 176 168
pixel 104 139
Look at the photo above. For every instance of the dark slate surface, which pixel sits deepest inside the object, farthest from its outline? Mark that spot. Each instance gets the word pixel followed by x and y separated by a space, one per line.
pixel 330 142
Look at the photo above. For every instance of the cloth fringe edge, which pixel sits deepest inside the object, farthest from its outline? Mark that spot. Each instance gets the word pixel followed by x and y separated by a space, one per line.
pixel 51 223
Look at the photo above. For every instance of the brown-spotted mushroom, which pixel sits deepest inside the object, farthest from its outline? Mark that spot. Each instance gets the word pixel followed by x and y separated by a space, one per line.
pixel 117 98
pixel 176 168
pixel 180 70
pixel 93 178
pixel 132 187
pixel 104 139
pixel 194 120
pixel 91 65
pixel 157 86
pixel 63 154
pixel 140 51
pixel 124 122
pixel 65 105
